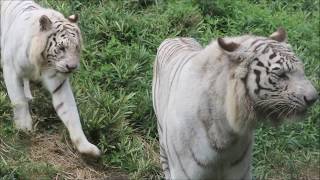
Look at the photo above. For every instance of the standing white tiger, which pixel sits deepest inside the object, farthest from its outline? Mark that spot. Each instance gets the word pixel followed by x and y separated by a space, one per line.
pixel 207 101
pixel 39 43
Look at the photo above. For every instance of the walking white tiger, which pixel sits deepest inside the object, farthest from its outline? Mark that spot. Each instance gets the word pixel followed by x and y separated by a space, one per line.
pixel 207 101
pixel 41 44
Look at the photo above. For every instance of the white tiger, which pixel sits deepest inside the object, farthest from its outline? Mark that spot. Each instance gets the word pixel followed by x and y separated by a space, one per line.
pixel 207 101
pixel 41 44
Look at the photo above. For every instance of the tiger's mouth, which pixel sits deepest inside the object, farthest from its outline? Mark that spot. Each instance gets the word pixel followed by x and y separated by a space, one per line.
pixel 64 72
pixel 67 72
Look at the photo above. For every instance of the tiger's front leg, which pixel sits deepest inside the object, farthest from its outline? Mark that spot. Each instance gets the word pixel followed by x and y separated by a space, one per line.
pixel 22 117
pixel 65 107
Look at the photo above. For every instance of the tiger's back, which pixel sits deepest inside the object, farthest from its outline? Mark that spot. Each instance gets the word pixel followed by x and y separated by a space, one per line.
pixel 168 63
pixel 166 67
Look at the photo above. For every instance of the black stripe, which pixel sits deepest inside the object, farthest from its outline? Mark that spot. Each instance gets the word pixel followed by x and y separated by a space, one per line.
pixel 64 112
pixel 58 87
pixel 159 125
pixel 70 25
pixel 29 8
pixel 50 55
pixel 265 50
pixel 59 26
pixel 257 73
pixel 180 163
pixel 256 91
pixel 53 75
pixel 27 18
pixel 180 67
pixel 50 45
pixel 48 40
pixel 59 106
pixel 246 173
pixel 271 82
pixel 21 11
pixel 259 45
pixel 27 50
pixel 243 155
pixel 259 63
pixel 19 3
pixel 275 68
pixel 8 6
pixel 14 15
pixel 288 66
pixel 294 100
pixel 272 55
pixel 199 163
pixel 166 168
pixel 58 21
pixel 161 147
pixel 211 142
pixel 166 144
pixel 53 34
pixel 164 160
pixel 163 157
pixel 255 41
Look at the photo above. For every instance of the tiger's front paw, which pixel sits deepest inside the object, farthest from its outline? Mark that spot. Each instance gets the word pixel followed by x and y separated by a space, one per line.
pixel 87 148
pixel 22 117
pixel 24 124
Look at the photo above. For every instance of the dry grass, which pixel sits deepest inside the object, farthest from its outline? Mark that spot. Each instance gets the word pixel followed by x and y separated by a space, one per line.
pixel 56 150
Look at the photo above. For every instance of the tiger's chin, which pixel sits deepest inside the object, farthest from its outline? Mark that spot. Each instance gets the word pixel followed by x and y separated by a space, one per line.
pixel 278 118
pixel 63 72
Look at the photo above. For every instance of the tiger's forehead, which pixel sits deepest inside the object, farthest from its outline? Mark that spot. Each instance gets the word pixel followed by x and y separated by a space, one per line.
pixel 278 56
pixel 66 31
pixel 65 25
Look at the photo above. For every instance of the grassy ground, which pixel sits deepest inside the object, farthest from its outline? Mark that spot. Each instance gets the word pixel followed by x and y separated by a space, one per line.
pixel 114 83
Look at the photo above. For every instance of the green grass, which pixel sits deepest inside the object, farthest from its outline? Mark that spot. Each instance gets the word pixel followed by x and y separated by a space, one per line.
pixel 113 87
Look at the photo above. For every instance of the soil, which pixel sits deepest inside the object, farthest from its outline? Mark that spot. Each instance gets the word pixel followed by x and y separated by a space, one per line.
pixel 56 150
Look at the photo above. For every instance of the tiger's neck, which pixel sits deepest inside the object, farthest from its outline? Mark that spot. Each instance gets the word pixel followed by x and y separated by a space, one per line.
pixel 228 110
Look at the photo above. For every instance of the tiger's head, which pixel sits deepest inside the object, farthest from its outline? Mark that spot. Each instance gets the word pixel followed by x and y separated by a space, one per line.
pixel 61 48
pixel 272 75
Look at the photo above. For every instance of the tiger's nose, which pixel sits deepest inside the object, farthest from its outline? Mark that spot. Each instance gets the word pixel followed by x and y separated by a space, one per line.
pixel 311 99
pixel 71 67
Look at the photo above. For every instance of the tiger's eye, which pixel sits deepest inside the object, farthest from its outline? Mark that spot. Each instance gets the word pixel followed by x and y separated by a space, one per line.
pixel 62 48
pixel 283 76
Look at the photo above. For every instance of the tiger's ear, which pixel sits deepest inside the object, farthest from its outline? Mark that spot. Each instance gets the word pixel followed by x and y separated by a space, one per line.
pixel 230 46
pixel 73 18
pixel 45 23
pixel 280 35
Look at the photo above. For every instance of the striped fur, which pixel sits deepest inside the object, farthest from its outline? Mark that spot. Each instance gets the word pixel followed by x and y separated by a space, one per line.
pixel 208 100
pixel 41 44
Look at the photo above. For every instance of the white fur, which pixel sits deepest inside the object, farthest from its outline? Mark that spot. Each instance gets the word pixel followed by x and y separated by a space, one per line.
pixel 185 81
pixel 22 43
pixel 204 100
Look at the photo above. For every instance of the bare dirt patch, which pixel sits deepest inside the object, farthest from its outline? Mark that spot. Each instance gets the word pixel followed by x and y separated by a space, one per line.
pixel 312 173
pixel 56 150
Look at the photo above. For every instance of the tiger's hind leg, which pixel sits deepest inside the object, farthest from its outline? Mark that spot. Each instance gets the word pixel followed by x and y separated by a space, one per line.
pixel 164 162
